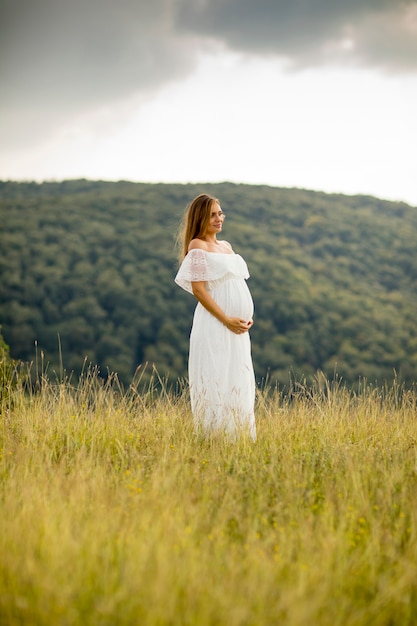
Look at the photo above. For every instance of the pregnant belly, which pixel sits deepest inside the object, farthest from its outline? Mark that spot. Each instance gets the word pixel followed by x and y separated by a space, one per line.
pixel 235 299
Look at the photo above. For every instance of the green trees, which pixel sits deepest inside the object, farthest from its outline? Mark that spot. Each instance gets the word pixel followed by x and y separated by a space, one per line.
pixel 334 278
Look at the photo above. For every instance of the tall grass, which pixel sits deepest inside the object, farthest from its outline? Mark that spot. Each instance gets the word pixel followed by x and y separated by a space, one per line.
pixel 113 511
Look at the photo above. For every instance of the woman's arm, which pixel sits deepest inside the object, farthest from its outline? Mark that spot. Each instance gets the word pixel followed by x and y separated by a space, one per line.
pixel 235 324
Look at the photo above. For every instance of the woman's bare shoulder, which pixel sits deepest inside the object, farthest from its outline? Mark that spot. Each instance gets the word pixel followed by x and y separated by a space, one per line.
pixel 197 244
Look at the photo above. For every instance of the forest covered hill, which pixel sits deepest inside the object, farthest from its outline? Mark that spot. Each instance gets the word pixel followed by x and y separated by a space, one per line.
pixel 333 277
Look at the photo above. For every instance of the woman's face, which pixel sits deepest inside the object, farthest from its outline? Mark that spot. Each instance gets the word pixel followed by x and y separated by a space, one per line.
pixel 215 224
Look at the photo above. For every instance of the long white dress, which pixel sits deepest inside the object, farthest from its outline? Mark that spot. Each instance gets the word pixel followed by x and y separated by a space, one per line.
pixel 221 376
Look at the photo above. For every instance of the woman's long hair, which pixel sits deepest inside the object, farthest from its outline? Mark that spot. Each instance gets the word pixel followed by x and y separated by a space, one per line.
pixel 195 221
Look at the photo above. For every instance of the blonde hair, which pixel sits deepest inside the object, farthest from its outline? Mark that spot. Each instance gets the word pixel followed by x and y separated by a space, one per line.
pixel 195 221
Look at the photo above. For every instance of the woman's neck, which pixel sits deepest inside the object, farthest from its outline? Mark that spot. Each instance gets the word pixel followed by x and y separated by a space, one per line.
pixel 212 239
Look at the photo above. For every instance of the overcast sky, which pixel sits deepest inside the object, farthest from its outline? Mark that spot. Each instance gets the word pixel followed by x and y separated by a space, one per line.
pixel 318 94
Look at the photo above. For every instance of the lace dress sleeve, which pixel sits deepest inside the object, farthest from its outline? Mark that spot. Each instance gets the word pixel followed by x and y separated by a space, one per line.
pixel 211 268
pixel 194 268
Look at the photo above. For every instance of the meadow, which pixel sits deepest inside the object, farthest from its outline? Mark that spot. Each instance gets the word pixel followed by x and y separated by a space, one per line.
pixel 114 511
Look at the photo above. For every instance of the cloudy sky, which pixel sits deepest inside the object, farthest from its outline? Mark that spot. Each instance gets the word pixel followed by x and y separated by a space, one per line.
pixel 318 94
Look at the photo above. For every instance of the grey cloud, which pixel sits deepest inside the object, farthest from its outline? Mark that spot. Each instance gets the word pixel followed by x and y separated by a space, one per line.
pixel 380 33
pixel 61 57
pixel 86 47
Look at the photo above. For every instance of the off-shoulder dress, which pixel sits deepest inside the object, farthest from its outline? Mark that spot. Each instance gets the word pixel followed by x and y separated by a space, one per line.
pixel 220 369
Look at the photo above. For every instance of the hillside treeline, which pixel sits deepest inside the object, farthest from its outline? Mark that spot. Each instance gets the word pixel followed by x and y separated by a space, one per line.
pixel 87 271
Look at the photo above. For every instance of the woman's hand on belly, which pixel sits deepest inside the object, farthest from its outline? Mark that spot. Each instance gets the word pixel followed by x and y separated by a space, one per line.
pixel 238 325
pixel 235 324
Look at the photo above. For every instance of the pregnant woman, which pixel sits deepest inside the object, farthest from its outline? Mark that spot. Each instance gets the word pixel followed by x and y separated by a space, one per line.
pixel 221 377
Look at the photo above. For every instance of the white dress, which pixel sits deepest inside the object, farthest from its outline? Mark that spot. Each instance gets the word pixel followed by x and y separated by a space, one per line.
pixel 221 377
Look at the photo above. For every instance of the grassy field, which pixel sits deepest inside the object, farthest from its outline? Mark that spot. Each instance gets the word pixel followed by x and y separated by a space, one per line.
pixel 114 512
